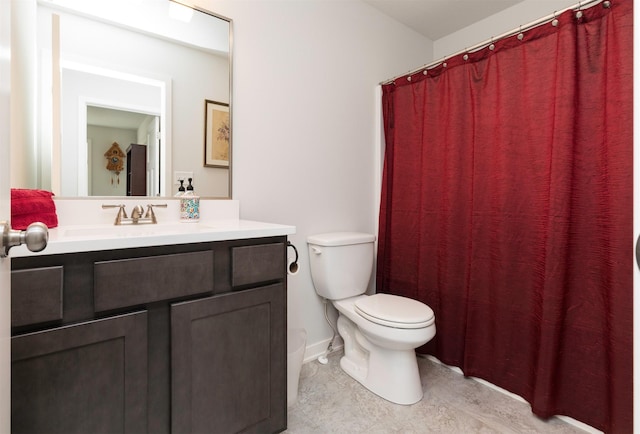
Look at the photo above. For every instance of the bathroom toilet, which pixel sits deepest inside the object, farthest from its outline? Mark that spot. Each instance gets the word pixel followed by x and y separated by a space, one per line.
pixel 380 331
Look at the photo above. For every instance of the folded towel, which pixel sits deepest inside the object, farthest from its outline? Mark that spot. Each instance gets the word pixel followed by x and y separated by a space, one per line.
pixel 28 206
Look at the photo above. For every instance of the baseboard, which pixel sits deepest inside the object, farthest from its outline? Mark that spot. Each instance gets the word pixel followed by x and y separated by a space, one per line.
pixel 313 351
pixel 569 420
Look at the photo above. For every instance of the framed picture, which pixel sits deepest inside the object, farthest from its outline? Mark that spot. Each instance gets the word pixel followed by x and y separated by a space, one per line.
pixel 217 131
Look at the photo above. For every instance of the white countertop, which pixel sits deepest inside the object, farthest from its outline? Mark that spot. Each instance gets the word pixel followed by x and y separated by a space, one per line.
pixel 86 238
pixel 84 226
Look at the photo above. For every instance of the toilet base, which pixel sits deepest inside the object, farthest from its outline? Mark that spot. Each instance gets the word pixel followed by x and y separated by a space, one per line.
pixel 390 374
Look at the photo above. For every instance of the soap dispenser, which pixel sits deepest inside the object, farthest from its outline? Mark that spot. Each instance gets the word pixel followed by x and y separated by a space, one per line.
pixel 189 205
pixel 181 189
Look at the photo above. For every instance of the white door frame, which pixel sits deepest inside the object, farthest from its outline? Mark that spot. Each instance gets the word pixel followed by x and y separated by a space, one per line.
pixel 5 214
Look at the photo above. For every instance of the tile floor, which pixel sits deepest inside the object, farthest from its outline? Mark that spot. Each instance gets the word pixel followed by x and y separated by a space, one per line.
pixel 329 401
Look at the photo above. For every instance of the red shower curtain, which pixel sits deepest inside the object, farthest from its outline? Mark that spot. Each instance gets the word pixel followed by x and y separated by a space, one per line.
pixel 507 207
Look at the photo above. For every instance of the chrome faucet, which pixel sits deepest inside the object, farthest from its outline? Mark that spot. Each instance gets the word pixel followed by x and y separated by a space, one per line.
pixel 136 214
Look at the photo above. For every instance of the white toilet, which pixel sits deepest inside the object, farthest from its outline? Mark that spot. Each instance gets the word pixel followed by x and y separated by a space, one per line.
pixel 380 331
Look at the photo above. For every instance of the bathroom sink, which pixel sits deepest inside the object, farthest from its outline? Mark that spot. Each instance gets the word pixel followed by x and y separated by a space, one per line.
pixel 107 231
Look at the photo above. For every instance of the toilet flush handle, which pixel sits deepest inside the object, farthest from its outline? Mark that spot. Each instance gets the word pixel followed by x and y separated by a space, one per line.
pixel 316 250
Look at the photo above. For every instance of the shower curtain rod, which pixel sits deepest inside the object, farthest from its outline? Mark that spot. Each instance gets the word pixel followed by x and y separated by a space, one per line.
pixel 578 6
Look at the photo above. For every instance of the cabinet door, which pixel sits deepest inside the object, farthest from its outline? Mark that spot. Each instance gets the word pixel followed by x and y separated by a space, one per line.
pixel 228 361
pixel 84 378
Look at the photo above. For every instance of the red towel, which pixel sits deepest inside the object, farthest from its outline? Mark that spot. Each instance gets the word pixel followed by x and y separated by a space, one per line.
pixel 28 206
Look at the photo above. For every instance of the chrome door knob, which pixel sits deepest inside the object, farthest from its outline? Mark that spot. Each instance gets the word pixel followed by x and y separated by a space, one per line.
pixel 35 237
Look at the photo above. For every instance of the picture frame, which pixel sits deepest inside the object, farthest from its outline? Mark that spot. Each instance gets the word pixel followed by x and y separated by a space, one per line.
pixel 217 134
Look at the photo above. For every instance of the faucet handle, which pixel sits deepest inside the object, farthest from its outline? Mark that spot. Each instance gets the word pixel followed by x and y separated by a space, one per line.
pixel 122 214
pixel 121 206
pixel 151 214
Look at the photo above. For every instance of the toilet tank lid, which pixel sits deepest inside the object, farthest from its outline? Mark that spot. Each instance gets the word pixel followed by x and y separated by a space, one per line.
pixel 340 238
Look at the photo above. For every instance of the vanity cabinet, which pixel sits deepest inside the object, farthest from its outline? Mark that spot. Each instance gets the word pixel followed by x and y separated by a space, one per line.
pixel 177 338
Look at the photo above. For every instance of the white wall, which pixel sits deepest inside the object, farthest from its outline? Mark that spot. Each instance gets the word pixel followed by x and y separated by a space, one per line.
pixel 497 24
pixel 305 74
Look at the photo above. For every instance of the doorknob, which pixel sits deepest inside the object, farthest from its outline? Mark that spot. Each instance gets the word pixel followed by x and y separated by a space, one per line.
pixel 35 237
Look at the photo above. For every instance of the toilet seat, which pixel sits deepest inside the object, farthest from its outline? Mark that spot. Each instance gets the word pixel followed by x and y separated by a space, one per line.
pixel 394 311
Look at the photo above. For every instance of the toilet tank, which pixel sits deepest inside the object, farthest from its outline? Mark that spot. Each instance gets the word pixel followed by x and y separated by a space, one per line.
pixel 341 263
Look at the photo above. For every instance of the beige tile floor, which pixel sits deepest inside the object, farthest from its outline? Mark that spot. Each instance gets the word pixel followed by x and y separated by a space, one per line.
pixel 329 401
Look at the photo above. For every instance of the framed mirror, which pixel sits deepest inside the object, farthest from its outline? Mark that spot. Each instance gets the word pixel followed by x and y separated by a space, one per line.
pixel 126 72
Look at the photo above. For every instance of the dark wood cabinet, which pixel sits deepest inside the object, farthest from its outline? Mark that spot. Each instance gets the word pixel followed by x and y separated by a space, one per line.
pixel 136 164
pixel 228 359
pixel 84 378
pixel 179 338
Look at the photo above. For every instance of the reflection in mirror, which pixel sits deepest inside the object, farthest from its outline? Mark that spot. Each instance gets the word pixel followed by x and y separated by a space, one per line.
pixel 106 126
pixel 125 56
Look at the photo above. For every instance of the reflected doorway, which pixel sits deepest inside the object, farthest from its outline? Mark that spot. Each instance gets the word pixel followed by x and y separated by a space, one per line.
pixel 106 126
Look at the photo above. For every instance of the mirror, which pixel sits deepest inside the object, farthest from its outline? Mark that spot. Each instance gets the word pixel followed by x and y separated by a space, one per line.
pixel 130 73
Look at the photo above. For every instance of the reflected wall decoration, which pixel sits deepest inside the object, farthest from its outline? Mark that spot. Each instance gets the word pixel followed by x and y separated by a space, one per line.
pixel 216 134
pixel 115 162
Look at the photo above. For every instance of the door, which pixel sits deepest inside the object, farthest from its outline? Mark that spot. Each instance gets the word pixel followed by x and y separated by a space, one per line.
pixel 5 264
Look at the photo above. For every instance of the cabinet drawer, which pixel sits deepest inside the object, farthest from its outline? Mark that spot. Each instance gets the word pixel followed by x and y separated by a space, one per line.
pixel 256 264
pixel 36 296
pixel 129 282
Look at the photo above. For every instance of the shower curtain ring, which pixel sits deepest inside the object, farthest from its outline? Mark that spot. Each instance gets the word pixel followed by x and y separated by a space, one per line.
pixel 554 23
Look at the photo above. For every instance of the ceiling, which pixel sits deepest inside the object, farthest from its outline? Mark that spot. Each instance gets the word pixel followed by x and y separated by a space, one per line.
pixel 106 117
pixel 437 18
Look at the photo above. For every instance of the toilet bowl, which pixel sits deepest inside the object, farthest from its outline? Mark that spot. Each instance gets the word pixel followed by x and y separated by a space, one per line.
pixel 399 335
pixel 380 331
pixel 380 357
